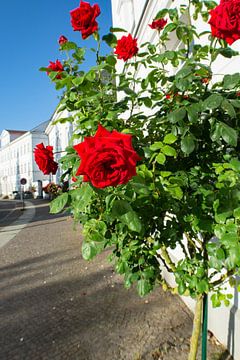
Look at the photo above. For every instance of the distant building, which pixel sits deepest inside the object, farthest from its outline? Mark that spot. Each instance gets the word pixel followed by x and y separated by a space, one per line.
pixel 16 158
pixel 59 135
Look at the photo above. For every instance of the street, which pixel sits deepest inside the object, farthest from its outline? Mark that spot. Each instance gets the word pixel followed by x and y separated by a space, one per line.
pixel 55 305
pixel 6 208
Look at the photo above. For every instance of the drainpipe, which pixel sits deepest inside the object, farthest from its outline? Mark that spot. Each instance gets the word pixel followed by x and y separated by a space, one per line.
pixel 141 17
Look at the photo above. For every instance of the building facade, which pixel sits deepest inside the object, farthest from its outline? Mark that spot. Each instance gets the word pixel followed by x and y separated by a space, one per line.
pixel 134 16
pixel 17 160
pixel 59 136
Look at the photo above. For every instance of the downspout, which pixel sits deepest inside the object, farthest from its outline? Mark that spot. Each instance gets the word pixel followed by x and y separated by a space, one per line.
pixel 141 17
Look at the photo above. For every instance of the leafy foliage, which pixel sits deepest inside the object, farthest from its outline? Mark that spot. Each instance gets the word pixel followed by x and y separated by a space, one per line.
pixel 187 192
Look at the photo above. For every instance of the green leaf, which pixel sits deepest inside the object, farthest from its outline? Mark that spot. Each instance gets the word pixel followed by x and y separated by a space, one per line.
pixel 228 52
pixel 192 113
pixel 89 250
pixel 82 196
pixel 161 158
pixel 94 230
pixel 78 80
pixel 156 146
pixel 147 102
pixel 181 288
pixel 143 287
pixel 116 29
pixel 132 220
pixel 235 103
pixel 236 213
pixel 177 115
pixel 169 139
pixel 231 81
pixel 229 135
pixel 234 255
pixel 227 106
pixel 169 28
pixel 59 203
pixel 202 286
pixel 220 254
pixel 110 39
pixel 123 211
pixel 69 45
pixel 215 300
pixel 188 144
pixel 176 192
pixel 169 150
pixel 213 101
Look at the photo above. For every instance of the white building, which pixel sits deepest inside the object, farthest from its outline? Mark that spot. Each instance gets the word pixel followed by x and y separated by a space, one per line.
pixel 59 135
pixel 17 160
pixel 134 16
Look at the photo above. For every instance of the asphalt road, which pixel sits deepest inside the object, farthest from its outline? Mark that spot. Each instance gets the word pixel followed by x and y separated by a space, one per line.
pixel 6 207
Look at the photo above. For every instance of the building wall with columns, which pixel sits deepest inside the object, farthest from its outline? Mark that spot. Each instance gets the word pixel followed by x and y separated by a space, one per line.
pixel 134 16
pixel 59 136
pixel 17 161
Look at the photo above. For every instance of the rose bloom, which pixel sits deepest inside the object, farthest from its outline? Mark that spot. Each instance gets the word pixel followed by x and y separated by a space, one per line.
pixel 56 66
pixel 44 159
pixel 83 18
pixel 126 47
pixel 225 20
pixel 62 40
pixel 107 158
pixel 158 24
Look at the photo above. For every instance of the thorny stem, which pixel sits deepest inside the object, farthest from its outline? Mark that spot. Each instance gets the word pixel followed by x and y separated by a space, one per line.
pixel 99 73
pixel 166 258
pixel 222 278
pixel 196 329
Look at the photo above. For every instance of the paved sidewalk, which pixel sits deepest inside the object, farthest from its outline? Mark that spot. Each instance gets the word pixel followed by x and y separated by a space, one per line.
pixel 56 306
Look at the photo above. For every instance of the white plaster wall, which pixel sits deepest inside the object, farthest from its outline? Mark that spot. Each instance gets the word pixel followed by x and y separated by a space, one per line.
pixel 224 322
pixel 59 136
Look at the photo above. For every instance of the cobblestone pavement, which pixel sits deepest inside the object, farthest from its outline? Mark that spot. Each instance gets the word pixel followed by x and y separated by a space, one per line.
pixel 56 306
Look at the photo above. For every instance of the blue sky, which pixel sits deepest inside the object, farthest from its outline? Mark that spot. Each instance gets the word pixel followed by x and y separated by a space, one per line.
pixel 29 39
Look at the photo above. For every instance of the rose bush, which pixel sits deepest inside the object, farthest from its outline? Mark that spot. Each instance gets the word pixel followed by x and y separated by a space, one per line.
pixel 44 159
pixel 146 184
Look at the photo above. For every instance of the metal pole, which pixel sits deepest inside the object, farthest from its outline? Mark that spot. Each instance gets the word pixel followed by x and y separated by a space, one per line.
pixel 204 327
pixel 22 198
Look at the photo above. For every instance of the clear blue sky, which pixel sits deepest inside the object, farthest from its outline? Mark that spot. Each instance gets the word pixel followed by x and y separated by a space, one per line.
pixel 29 32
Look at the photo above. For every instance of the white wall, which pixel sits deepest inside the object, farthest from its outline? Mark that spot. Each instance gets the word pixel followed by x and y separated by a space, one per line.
pixel 223 322
pixel 59 136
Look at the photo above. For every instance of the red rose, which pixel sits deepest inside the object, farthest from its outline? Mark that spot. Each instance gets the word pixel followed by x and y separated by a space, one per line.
pixel 225 20
pixel 126 47
pixel 158 24
pixel 56 66
pixel 44 159
pixel 107 158
pixel 238 94
pixel 83 18
pixel 62 40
